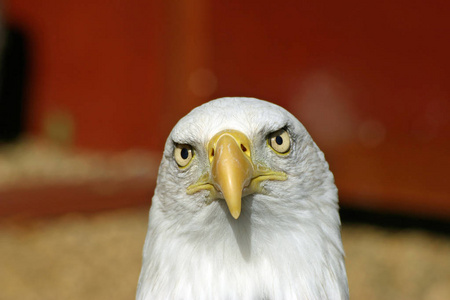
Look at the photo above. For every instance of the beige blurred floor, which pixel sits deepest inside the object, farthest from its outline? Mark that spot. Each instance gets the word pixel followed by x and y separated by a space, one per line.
pixel 98 257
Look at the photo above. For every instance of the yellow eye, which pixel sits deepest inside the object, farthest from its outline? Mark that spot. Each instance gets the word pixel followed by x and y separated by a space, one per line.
pixel 183 155
pixel 280 141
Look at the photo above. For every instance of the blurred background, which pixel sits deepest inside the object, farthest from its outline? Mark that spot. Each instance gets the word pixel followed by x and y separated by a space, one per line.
pixel 89 91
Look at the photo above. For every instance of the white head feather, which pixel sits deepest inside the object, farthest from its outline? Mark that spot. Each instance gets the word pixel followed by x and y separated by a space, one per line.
pixel 286 244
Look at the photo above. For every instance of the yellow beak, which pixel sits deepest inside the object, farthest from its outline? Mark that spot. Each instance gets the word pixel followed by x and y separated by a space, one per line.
pixel 232 171
pixel 231 168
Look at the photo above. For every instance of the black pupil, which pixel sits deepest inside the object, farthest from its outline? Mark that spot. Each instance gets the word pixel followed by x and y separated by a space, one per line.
pixel 184 153
pixel 279 140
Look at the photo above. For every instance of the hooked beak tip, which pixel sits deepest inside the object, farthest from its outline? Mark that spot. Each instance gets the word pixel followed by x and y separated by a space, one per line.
pixel 235 214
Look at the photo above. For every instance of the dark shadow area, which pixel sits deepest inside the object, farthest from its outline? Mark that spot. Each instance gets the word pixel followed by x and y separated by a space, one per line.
pixel 14 69
pixel 240 226
pixel 394 221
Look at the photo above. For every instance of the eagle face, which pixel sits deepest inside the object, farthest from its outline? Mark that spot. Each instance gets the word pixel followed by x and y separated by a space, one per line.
pixel 245 208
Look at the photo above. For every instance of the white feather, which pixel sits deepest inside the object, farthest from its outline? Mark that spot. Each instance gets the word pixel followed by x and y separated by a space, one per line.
pixel 285 245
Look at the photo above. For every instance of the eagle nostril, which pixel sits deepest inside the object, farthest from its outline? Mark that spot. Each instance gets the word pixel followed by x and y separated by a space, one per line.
pixel 243 148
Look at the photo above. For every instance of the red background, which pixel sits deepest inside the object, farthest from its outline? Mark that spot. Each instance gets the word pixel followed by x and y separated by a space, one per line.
pixel 369 81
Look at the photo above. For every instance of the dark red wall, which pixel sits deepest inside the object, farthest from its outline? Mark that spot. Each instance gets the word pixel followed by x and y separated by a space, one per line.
pixel 100 65
pixel 369 80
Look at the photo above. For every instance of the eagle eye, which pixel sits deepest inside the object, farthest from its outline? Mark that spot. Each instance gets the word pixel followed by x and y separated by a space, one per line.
pixel 280 141
pixel 183 154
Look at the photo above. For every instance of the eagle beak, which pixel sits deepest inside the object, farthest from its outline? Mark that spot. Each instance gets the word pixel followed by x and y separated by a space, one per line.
pixel 231 167
pixel 233 172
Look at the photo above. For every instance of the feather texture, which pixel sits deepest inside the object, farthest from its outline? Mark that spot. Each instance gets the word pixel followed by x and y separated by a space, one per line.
pixel 285 245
